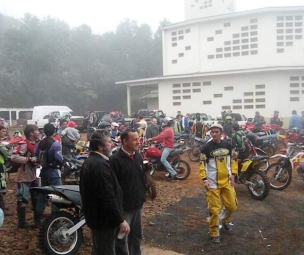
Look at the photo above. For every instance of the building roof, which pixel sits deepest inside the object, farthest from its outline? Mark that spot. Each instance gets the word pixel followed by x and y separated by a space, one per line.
pixel 234 15
pixel 156 80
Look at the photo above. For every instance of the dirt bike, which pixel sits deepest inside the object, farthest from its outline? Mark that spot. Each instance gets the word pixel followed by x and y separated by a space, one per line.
pixel 195 151
pixel 152 152
pixel 280 173
pixel 61 232
pixel 251 174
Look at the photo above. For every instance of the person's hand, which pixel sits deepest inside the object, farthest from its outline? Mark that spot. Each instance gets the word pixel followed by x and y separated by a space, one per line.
pixel 33 159
pixel 206 184
pixel 124 227
pixel 232 180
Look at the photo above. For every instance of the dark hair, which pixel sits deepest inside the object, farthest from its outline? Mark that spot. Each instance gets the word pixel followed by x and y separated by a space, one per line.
pixel 236 126
pixel 125 134
pixel 49 129
pixel 62 121
pixel 98 139
pixel 29 129
pixel 294 112
pixel 2 127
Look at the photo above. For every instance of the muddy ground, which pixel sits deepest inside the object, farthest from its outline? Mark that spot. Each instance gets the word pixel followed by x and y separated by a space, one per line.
pixel 177 221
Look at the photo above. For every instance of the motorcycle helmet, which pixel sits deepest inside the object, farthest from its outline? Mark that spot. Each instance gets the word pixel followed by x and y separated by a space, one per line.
pixel 114 124
pixel 167 121
pixel 228 117
pixel 219 117
pixel 104 125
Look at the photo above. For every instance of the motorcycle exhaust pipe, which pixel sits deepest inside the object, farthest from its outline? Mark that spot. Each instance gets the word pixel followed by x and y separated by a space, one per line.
pixel 58 200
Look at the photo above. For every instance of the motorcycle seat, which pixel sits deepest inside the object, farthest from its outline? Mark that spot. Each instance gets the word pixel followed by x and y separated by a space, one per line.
pixel 176 152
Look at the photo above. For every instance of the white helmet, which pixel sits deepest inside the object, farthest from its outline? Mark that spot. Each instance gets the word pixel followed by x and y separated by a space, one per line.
pixel 114 124
pixel 219 117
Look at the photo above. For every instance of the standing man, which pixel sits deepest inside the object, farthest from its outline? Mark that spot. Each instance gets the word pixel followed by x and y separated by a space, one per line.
pixel 62 126
pixel 295 121
pixel 3 154
pixel 49 150
pixel 167 139
pixel 5 125
pixel 276 120
pixel 258 121
pixel 153 129
pixel 217 170
pixel 227 128
pixel 26 175
pixel 101 196
pixel 128 166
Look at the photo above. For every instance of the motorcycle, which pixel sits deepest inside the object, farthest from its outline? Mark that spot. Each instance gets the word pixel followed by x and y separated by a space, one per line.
pixel 153 152
pixel 61 232
pixel 195 151
pixel 70 170
pixel 280 172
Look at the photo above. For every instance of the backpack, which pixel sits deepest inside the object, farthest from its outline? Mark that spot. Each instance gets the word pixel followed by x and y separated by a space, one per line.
pixel 242 143
pixel 199 129
pixel 43 157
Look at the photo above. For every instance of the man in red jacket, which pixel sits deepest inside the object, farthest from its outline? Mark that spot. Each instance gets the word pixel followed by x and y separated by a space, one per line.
pixel 167 139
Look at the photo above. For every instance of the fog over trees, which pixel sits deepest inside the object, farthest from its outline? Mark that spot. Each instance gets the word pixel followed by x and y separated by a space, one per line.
pixel 44 61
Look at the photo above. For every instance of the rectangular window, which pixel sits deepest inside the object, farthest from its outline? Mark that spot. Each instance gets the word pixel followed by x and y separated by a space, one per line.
pixel 289 24
pixel 245 34
pixel 206 83
pixel 173 33
pixel 217 95
pixel 237 101
pixel 298 37
pixel 253 46
pixel 289 31
pixel 196 84
pixel 294 92
pixel 245 40
pixel 186 90
pixel 254 33
pixel 289 37
pixel 196 90
pixel 227 24
pixel 280 24
pixel 218 32
pixel 245 47
pixel 188 30
pixel 185 85
pixel 227 42
pixel 260 106
pixel 248 93
pixel 298 24
pixel 254 39
pixel 245 53
pixel 280 31
pixel 280 44
pixel 236 47
pixel 180 55
pixel 181 37
pixel 248 107
pixel 227 55
pixel 186 97
pixel 207 102
pixel 228 88
pixel 244 28
pixel 177 85
pixel 219 49
pixel 298 30
pixel 260 100
pixel 294 78
pixel 210 39
pixel 180 32
pixel 280 50
pixel 280 18
pixel 236 54
pixel 280 37
pixel 260 93
pixel 210 56
pixel 176 91
pixel 293 99
pixel 236 35
pixel 254 52
pixel 294 85
pixel 219 55
pixel 174 44
pixel 188 48
pixel 174 61
pixel 260 86
pixel 289 18
pixel 176 97
pixel 289 43
pixel 173 39
pixel 298 17
pixel 236 107
pixel 227 48
pixel 226 107
pixel 176 103
pixel 253 27
pixel 253 20
pixel 248 100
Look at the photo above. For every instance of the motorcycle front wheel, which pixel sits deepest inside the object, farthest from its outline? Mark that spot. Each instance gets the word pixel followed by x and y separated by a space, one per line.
pixel 53 239
pixel 194 154
pixel 182 169
pixel 258 184
pixel 279 176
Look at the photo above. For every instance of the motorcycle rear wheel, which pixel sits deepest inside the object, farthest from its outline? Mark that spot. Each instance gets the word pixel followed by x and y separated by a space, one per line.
pixel 182 169
pixel 193 155
pixel 259 187
pixel 279 176
pixel 51 237
pixel 150 185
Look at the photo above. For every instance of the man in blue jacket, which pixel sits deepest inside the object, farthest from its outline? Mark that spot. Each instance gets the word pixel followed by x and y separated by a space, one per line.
pixel 295 121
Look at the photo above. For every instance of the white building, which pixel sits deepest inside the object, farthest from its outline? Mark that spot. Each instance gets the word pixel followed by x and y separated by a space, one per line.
pixel 223 60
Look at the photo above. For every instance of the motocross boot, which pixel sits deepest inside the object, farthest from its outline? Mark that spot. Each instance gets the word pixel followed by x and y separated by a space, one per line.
pixel 21 207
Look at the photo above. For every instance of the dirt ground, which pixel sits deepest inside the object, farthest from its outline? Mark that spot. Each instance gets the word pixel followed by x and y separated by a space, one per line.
pixel 176 222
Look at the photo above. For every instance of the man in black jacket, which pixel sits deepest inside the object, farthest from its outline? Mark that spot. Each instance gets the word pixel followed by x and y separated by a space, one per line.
pixel 101 196
pixel 153 129
pixel 128 166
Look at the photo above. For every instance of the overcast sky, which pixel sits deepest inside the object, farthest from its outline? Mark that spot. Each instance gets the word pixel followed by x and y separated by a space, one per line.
pixel 103 16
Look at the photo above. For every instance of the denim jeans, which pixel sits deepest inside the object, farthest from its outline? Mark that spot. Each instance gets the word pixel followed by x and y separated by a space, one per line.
pixel 130 244
pixel 42 201
pixel 163 159
pixel 23 190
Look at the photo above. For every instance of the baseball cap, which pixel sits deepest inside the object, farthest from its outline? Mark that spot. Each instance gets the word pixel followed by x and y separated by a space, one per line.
pixel 217 126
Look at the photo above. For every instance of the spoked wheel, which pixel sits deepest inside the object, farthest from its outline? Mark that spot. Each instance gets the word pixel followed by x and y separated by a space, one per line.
pixel 258 185
pixel 279 176
pixel 270 150
pixel 194 154
pixel 182 169
pixel 150 185
pixel 53 238
pixel 279 145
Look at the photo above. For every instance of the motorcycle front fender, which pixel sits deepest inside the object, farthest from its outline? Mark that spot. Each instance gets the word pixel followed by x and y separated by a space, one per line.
pixel 278 156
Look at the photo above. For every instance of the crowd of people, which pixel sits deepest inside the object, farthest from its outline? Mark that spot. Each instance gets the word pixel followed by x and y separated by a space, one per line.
pixel 112 187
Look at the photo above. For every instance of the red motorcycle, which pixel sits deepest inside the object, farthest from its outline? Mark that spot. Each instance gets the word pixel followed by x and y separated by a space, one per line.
pixel 153 152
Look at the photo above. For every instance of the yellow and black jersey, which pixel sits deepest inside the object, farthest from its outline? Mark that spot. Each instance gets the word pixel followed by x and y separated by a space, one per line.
pixel 216 164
